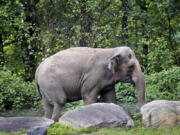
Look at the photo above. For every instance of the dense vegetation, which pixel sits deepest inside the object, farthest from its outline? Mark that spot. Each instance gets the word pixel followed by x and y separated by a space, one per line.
pixel 60 129
pixel 15 93
pixel 162 85
pixel 34 29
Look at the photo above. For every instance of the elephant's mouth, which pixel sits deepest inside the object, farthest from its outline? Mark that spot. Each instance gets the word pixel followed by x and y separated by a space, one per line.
pixel 128 79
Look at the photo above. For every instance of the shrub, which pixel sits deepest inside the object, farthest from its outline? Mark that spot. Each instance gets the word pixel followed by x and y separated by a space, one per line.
pixel 13 133
pixel 163 85
pixel 15 94
pixel 125 93
pixel 61 129
pixel 140 129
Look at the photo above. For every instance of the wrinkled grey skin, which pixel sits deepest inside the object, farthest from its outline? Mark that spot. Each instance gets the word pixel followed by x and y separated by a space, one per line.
pixel 84 73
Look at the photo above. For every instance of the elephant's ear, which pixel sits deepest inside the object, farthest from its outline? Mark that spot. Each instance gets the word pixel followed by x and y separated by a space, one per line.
pixel 114 63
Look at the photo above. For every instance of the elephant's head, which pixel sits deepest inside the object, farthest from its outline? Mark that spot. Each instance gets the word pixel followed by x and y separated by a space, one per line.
pixel 126 68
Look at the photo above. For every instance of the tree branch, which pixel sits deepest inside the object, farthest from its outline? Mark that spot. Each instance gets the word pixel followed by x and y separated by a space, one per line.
pixel 8 43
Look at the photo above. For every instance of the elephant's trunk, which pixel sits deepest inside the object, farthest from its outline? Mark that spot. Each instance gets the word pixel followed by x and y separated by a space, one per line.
pixel 138 79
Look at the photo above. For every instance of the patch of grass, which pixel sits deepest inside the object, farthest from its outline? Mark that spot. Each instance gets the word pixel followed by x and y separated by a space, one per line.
pixel 61 129
pixel 140 129
pixel 13 133
pixel 22 112
pixel 137 131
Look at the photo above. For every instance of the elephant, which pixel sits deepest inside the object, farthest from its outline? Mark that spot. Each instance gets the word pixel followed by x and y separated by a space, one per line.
pixel 84 73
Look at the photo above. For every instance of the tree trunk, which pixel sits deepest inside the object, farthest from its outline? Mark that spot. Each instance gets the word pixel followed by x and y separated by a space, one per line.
pixel 144 33
pixel 30 48
pixel 172 42
pixel 124 21
pixel 145 46
pixel 1 52
pixel 86 25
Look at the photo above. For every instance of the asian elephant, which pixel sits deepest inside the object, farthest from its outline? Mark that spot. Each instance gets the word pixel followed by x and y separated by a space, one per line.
pixel 84 73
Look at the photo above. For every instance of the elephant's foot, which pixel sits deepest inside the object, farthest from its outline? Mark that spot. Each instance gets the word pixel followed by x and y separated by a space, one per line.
pixel 48 109
pixel 56 112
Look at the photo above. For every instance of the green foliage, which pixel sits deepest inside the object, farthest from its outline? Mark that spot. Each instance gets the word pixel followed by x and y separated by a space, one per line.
pixel 73 105
pixel 33 30
pixel 125 93
pixel 18 37
pixel 61 129
pixel 15 93
pixel 14 133
pixel 162 85
pixel 159 57
pixel 140 129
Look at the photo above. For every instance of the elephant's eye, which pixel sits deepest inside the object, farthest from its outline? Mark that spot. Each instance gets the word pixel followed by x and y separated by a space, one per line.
pixel 131 67
pixel 129 56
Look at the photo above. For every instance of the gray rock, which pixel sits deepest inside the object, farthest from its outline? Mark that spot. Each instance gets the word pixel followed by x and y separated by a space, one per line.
pixel 161 114
pixel 37 131
pixel 97 115
pixel 12 124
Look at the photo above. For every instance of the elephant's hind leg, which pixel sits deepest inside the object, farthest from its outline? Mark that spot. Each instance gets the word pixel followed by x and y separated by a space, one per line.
pixel 59 99
pixel 48 108
pixel 56 111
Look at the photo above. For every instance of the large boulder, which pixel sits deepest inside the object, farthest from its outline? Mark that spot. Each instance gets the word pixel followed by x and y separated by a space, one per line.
pixel 97 115
pixel 161 114
pixel 12 124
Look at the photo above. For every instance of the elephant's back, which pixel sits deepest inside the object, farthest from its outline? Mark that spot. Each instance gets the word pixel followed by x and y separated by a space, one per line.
pixel 72 59
pixel 67 65
pixel 70 62
pixel 78 60
pixel 74 54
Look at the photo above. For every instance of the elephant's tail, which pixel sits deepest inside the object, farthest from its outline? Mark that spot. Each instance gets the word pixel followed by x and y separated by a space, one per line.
pixel 37 85
pixel 38 89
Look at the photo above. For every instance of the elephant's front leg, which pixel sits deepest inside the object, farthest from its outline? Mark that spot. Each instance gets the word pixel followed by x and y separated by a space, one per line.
pixel 90 97
pixel 92 85
pixel 109 96
pixel 90 94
